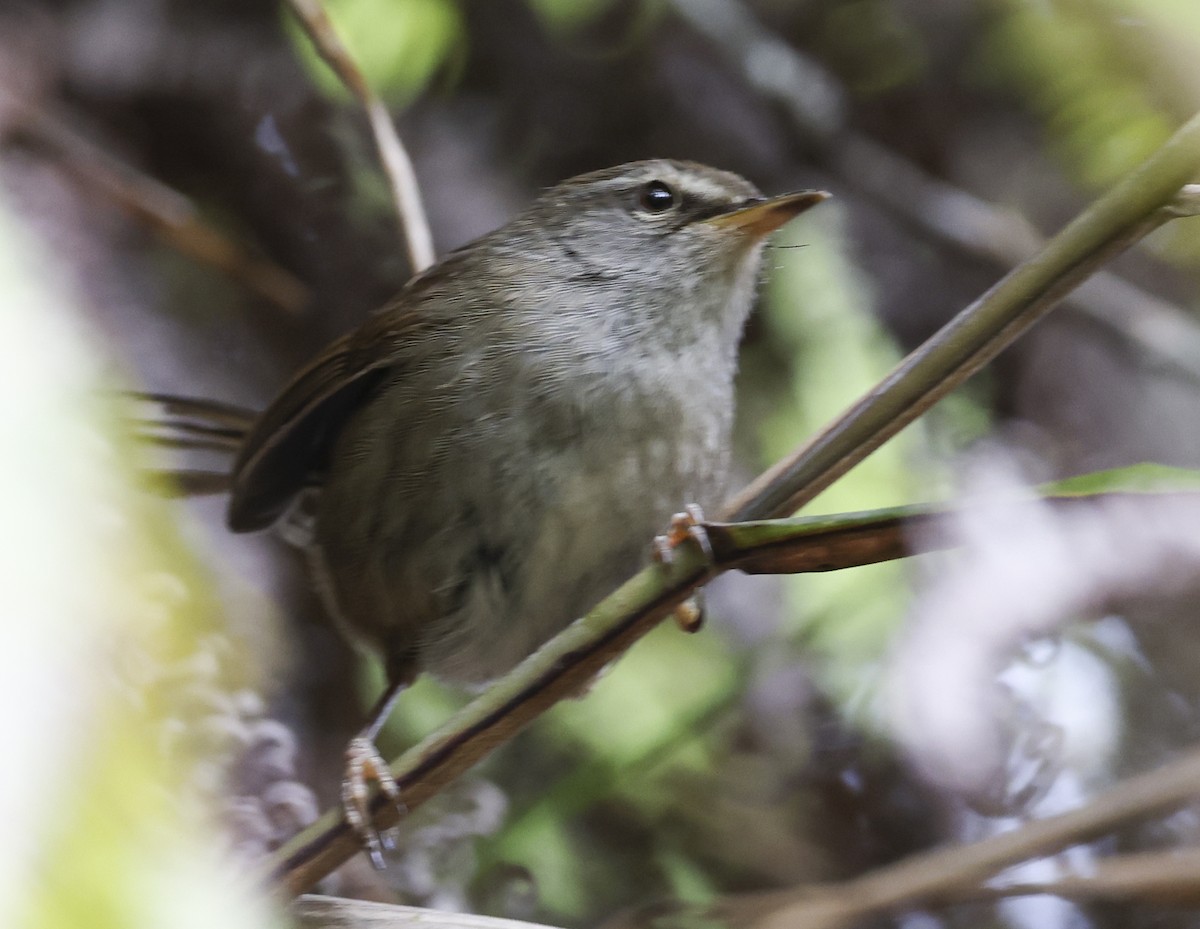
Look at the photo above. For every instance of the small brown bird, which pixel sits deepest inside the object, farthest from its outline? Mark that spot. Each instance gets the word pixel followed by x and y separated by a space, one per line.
pixel 493 451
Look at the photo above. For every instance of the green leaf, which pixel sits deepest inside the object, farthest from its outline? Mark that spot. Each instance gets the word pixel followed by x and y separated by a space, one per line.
pixel 398 44
pixel 1147 477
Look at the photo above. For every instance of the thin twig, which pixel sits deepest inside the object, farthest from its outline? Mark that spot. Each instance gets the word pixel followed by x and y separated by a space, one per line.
pixel 1161 877
pixel 957 872
pixel 560 669
pixel 169 213
pixel 396 163
pixel 810 544
pixel 977 229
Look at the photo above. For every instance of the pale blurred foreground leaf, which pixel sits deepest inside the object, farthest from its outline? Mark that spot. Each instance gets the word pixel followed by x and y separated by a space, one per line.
pixel 99 593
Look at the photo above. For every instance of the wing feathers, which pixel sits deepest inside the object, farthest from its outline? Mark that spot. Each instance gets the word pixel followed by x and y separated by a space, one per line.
pixel 290 441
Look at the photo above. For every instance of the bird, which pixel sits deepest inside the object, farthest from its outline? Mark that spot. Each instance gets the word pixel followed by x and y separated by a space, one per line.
pixel 492 451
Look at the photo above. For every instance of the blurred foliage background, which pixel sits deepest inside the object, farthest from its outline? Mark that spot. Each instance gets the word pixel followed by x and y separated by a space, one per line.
pixel 762 753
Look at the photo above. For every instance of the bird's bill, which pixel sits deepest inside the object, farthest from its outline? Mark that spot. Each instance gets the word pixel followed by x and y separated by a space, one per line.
pixel 762 217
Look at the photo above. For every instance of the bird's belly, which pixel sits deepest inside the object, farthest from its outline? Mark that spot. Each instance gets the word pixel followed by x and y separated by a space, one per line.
pixel 572 523
pixel 503 542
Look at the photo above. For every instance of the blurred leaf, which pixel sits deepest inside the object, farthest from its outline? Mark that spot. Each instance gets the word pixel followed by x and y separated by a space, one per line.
pixel 568 15
pixel 645 710
pixel 1147 477
pixel 1166 34
pixel 644 699
pixel 99 595
pixel 1101 113
pixel 541 842
pixel 399 45
pixel 818 310
pixel 874 49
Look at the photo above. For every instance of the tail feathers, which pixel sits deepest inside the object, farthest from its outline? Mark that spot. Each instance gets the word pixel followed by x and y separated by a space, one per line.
pixel 190 425
pixel 185 482
pixel 185 422
pixel 212 410
pixel 186 436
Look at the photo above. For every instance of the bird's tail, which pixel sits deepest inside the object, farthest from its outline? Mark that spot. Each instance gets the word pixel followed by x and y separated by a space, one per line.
pixel 192 425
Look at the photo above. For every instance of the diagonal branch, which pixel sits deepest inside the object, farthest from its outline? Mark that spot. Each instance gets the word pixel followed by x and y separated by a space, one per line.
pixel 956 872
pixel 165 211
pixel 1166 877
pixel 565 665
pixel 1157 192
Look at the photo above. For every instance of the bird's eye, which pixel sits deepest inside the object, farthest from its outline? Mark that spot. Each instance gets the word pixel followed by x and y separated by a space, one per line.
pixel 656 197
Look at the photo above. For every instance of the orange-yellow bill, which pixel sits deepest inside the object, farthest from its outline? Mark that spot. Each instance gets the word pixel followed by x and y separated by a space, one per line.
pixel 766 216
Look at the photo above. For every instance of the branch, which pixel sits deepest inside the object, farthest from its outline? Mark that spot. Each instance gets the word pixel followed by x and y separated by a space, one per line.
pixel 396 163
pixel 560 669
pixel 1153 194
pixel 814 104
pixel 948 874
pixel 811 544
pixel 167 212
pixel 567 663
pixel 1160 878
pixel 980 230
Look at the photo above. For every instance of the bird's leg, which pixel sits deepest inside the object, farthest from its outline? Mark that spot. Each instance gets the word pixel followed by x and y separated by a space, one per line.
pixel 365 764
pixel 689 615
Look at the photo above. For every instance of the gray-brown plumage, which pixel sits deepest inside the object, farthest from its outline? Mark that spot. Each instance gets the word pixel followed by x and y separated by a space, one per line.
pixel 496 448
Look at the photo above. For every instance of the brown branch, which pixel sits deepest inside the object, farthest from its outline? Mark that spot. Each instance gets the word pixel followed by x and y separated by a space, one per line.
pixel 167 212
pixel 562 668
pixel 392 155
pixel 953 873
pixel 806 545
pixel 1163 878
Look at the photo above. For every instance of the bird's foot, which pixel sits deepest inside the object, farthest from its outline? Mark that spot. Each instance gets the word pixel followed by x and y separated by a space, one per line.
pixel 365 764
pixel 689 615
pixel 683 526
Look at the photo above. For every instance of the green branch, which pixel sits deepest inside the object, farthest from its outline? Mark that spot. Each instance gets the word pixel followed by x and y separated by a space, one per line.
pixel 566 664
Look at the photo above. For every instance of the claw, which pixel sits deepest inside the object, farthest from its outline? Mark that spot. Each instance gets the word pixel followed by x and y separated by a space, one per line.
pixel 683 526
pixel 364 764
pixel 696 531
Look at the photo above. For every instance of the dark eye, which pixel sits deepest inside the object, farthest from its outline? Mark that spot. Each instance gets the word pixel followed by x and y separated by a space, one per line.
pixel 656 197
